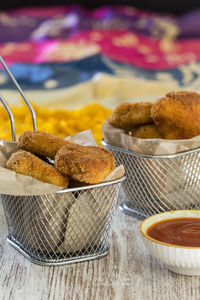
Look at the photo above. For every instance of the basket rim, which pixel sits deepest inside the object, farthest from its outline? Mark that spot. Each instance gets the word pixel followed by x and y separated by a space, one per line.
pixel 76 189
pixel 107 145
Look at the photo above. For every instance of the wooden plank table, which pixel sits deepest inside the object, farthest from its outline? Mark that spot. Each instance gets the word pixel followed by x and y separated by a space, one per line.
pixel 127 272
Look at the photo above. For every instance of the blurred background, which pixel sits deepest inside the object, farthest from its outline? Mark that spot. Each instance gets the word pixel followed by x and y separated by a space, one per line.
pixel 160 6
pixel 77 61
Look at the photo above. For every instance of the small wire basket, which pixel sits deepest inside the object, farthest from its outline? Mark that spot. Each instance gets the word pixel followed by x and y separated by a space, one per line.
pixel 71 225
pixel 158 183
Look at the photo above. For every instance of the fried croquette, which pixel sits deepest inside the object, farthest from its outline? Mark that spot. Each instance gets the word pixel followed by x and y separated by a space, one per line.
pixel 177 115
pixel 127 115
pixel 41 143
pixel 145 132
pixel 28 164
pixel 87 164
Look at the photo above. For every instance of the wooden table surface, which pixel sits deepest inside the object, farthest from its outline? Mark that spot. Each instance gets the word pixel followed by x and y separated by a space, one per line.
pixel 127 272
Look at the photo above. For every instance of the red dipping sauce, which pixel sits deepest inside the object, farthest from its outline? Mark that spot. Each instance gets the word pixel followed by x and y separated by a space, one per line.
pixel 182 232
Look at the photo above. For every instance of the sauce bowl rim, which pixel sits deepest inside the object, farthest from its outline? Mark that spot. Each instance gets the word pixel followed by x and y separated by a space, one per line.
pixel 167 213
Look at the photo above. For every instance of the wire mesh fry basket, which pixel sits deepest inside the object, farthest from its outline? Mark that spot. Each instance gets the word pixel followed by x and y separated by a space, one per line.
pixel 158 183
pixel 71 225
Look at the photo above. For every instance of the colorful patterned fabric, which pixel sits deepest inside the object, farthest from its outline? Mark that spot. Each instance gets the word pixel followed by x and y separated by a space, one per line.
pixel 71 44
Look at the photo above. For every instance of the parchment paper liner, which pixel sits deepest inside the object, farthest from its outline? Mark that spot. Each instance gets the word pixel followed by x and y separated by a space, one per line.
pixel 168 177
pixel 54 222
pixel 117 137
pixel 89 215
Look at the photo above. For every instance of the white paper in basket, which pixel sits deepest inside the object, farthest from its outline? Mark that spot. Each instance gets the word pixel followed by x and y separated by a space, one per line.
pixel 12 183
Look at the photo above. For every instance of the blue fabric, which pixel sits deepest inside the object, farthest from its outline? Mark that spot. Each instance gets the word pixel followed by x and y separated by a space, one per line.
pixel 32 77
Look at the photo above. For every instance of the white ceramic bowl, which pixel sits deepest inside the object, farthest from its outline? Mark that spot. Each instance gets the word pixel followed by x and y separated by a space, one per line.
pixel 179 259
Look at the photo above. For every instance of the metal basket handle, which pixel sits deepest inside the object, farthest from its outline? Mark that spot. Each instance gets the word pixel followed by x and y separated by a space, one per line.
pixel 24 98
pixel 12 122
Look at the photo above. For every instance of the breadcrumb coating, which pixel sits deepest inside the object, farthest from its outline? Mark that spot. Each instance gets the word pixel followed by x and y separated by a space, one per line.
pixel 28 164
pixel 87 164
pixel 177 115
pixel 127 115
pixel 41 143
